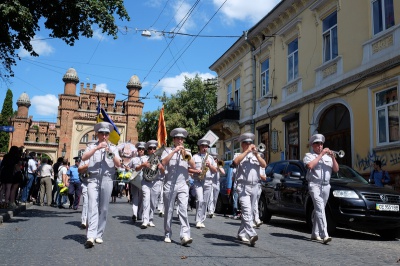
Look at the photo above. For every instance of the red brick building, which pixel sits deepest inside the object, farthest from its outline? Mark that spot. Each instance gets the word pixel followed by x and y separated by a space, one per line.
pixel 75 120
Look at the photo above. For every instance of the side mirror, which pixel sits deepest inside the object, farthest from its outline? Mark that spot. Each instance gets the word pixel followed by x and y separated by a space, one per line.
pixel 296 175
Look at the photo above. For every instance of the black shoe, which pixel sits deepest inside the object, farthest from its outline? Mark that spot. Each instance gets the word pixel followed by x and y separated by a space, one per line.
pixel 134 218
pixel 61 207
pixel 70 206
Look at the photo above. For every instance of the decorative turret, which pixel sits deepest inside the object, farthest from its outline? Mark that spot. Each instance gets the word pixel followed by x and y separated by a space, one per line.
pixel 23 104
pixel 134 86
pixel 70 79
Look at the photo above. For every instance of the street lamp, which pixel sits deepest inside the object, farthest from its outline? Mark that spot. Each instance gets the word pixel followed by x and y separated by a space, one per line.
pixel 64 150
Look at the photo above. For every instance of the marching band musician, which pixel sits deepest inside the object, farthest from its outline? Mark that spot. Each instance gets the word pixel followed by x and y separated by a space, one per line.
pixel 203 177
pixel 103 158
pixel 137 163
pixel 248 165
pixel 151 189
pixel 82 170
pixel 320 164
pixel 215 186
pixel 175 186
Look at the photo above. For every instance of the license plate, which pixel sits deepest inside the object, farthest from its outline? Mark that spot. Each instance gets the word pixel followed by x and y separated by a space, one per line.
pixel 387 207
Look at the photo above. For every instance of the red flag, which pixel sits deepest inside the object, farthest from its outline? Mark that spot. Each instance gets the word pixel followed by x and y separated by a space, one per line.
pixel 162 130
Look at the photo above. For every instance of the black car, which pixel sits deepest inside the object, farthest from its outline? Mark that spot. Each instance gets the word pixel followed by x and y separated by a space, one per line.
pixel 353 203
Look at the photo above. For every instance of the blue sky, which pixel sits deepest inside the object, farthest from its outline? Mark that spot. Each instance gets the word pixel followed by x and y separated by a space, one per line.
pixel 161 61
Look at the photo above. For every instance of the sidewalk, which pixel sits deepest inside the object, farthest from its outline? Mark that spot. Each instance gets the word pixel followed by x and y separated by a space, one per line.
pixel 7 214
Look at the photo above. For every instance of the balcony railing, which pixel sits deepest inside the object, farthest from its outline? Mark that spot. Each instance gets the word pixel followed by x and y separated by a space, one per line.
pixel 224 113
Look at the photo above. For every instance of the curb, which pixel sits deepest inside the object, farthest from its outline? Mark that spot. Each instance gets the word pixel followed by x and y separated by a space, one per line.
pixel 6 215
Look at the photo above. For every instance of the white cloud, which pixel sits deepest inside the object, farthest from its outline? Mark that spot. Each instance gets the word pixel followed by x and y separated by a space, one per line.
pixel 45 105
pixel 39 46
pixel 97 35
pixel 102 87
pixel 174 84
pixel 244 10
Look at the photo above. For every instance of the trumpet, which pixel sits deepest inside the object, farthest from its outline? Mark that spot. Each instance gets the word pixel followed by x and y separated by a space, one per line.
pixel 220 163
pixel 185 156
pixel 338 153
pixel 110 155
pixel 261 147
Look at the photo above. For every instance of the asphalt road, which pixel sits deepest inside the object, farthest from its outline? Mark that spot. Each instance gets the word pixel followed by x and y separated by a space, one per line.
pixel 52 236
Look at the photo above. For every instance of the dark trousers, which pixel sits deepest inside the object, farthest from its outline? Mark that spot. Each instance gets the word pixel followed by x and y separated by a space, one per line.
pixel 74 194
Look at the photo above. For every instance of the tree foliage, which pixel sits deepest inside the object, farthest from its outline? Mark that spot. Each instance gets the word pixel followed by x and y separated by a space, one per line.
pixel 189 108
pixel 6 113
pixel 67 19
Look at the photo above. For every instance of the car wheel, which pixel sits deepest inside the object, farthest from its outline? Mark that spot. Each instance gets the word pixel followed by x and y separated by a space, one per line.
pixel 389 234
pixel 265 215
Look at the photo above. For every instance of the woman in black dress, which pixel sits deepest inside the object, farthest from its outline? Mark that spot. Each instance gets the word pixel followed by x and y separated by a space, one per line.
pixel 11 176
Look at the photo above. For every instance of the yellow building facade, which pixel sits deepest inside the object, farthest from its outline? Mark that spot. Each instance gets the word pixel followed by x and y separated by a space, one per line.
pixel 325 66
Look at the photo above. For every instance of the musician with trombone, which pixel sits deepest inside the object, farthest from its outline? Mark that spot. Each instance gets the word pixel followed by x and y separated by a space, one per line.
pixel 103 159
pixel 203 177
pixel 153 176
pixel 248 165
pixel 215 185
pixel 320 163
pixel 176 162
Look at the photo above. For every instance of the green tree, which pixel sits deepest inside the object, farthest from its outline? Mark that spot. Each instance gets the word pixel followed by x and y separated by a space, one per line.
pixel 148 125
pixel 66 19
pixel 6 113
pixel 189 108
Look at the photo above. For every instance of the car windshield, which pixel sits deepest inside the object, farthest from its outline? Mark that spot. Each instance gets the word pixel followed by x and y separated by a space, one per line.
pixel 348 174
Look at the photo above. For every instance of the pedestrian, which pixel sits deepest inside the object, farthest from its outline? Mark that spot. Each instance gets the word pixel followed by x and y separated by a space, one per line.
pixel 74 188
pixel 45 174
pixel 32 168
pixel 248 165
pixel 11 176
pixel 176 162
pixel 54 181
pixel 320 163
pixel 378 176
pixel 61 182
pixel 203 175
pixel 103 158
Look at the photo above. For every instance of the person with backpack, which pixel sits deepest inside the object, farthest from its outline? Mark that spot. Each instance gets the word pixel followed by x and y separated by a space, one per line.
pixel 378 176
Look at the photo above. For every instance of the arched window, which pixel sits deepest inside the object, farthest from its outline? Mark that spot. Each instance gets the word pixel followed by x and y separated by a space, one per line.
pixel 85 138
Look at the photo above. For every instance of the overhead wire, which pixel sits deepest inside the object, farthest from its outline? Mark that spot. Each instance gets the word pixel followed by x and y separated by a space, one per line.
pixel 181 54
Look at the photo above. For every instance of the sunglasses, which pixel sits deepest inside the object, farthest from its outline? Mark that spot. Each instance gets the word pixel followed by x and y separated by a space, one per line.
pixel 318 143
pixel 140 149
pixel 152 148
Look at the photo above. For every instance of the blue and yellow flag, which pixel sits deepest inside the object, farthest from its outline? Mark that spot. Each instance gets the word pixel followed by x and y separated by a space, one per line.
pixel 102 116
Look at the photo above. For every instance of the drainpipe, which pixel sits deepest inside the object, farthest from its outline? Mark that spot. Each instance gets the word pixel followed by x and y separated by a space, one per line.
pixel 253 64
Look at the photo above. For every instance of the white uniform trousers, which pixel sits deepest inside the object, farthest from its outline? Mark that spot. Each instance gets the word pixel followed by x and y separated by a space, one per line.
pixel 99 193
pixel 181 193
pixel 256 214
pixel 203 193
pixel 160 201
pixel 84 203
pixel 151 192
pixel 137 206
pixel 213 198
pixel 247 198
pixel 319 195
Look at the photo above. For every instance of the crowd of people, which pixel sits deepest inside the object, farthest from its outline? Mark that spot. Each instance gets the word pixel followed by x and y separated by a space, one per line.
pixel 160 178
